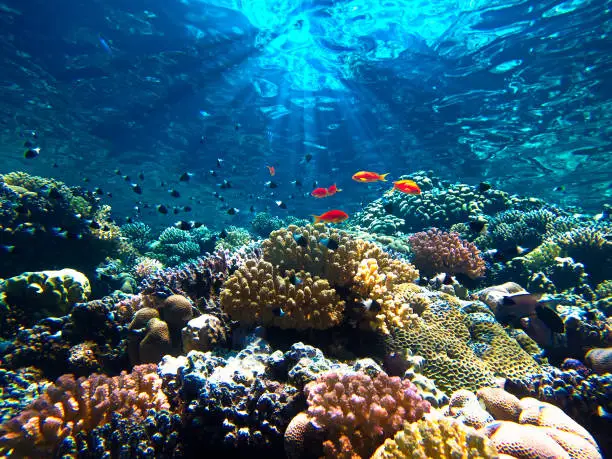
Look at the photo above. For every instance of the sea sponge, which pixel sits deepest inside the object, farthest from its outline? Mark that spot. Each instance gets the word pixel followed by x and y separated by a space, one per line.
pixel 436 251
pixel 358 412
pixel 70 406
pixel 442 438
pixel 257 293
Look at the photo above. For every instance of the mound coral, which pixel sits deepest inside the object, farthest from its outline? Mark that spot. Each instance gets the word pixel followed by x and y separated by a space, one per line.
pixel 436 251
pixel 358 412
pixel 256 293
pixel 439 439
pixel 71 406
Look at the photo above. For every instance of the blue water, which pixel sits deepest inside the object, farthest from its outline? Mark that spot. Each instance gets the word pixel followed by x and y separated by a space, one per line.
pixel 513 92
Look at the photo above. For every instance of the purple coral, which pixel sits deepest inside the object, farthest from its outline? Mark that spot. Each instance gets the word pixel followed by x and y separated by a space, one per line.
pixel 437 251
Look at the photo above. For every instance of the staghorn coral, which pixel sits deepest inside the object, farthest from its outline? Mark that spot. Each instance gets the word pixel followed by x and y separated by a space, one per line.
pixel 442 438
pixel 70 406
pixel 256 293
pixel 358 411
pixel 436 251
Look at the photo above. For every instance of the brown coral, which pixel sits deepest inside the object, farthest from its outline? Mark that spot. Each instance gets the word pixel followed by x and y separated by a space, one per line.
pixel 358 412
pixel 436 439
pixel 70 406
pixel 502 405
pixel 436 251
pixel 599 360
pixel 257 293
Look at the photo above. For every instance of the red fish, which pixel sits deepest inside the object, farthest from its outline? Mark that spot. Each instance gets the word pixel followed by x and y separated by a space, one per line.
pixel 407 186
pixel 332 190
pixel 320 193
pixel 272 170
pixel 367 177
pixel 331 216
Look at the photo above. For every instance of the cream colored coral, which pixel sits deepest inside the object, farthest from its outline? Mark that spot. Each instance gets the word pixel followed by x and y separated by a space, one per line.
pixel 256 293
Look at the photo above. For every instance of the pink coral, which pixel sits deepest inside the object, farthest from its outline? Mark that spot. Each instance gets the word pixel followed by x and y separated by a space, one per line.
pixel 359 412
pixel 70 406
pixel 436 251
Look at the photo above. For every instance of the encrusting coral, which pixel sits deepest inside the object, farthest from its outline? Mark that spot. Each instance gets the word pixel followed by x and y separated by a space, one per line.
pixel 256 293
pixel 71 406
pixel 442 438
pixel 436 251
pixel 358 412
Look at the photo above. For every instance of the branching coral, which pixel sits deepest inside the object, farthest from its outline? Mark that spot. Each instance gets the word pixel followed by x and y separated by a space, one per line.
pixel 70 406
pixel 437 439
pixel 358 412
pixel 256 293
pixel 436 251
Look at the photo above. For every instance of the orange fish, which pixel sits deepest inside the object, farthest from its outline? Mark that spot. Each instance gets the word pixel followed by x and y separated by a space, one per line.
pixel 272 170
pixel 366 177
pixel 406 186
pixel 331 216
pixel 332 190
pixel 320 193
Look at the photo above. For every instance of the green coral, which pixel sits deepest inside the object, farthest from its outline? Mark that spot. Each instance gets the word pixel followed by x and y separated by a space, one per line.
pixel 235 238
pixel 138 233
pixel 263 224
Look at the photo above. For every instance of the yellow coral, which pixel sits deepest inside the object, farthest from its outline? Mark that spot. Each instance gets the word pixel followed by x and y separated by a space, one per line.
pixel 256 293
pixel 436 439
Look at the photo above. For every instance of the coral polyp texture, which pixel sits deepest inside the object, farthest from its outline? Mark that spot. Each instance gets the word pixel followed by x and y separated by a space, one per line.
pixel 256 293
pixel 442 438
pixel 436 251
pixel 358 412
pixel 70 406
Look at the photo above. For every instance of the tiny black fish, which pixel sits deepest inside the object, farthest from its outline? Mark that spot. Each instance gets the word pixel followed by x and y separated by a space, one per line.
pixel 226 184
pixel 371 305
pixel 98 191
pixel 484 186
pixel 271 184
pixel 94 225
pixel 477 225
pixel 281 204
pixel 301 240
pixel 136 188
pixel 183 225
pixel 212 172
pixel 330 243
pixel 31 153
pixel 28 144
pixel 54 193
pixel 251 209
pixel 117 172
pixel 129 220
pixel 297 183
pixel 278 311
pixel 549 316
pixel 184 177
pixel 176 211
pixel 187 208
pixel 126 178
pixel 219 162
pixel 174 193
pixel 294 279
pixel 141 175
pixel 308 157
pixel 232 211
pixel 223 234
pixel 388 207
pixel 162 209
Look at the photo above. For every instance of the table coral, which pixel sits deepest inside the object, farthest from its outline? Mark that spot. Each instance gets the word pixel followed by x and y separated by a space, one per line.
pixel 70 406
pixel 436 251
pixel 257 293
pixel 437 439
pixel 358 412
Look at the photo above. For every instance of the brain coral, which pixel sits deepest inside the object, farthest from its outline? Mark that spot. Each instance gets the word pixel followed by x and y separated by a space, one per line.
pixel 256 293
pixel 442 438
pixel 358 412
pixel 436 251
pixel 70 406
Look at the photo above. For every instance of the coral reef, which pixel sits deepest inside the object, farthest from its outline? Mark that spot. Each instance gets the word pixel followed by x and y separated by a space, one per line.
pixel 441 438
pixel 438 252
pixel 32 296
pixel 256 293
pixel 70 406
pixel 48 225
pixel 233 239
pixel 358 412
pixel 263 224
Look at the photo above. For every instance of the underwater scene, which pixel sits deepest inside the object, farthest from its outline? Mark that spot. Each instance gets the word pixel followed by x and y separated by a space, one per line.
pixel 306 229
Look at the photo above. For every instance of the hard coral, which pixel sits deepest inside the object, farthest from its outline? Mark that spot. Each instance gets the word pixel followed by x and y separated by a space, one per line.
pixel 437 439
pixel 436 251
pixel 358 411
pixel 71 406
pixel 257 293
